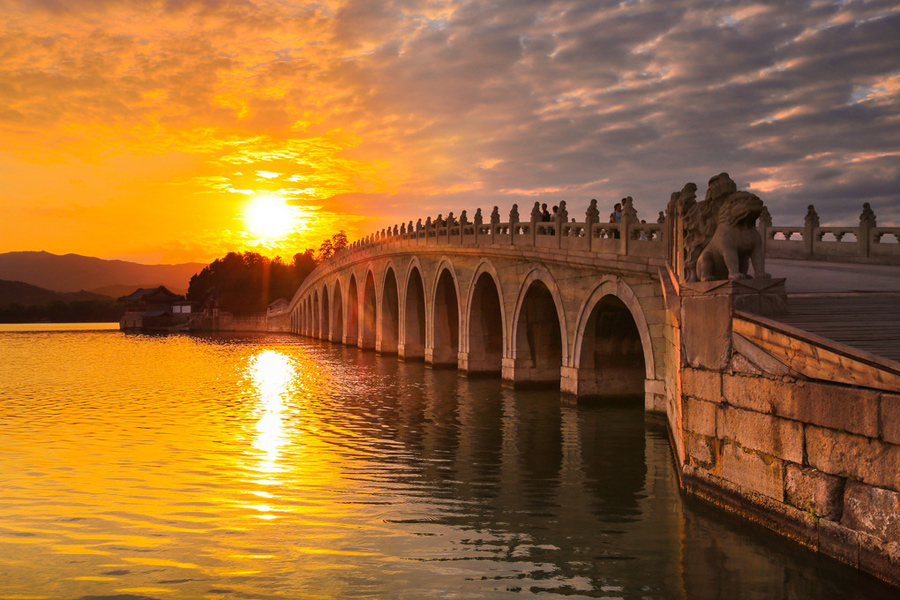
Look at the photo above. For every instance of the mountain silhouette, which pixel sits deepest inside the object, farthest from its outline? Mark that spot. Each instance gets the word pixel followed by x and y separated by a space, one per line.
pixel 27 294
pixel 74 273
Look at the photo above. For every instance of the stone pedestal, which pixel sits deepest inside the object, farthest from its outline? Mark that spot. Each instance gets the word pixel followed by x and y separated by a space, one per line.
pixel 441 357
pixel 473 365
pixel 707 308
pixel 519 373
pixel 385 348
pixel 408 353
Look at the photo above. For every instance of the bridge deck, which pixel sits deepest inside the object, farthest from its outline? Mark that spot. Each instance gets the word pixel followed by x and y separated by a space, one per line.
pixel 867 321
pixel 856 305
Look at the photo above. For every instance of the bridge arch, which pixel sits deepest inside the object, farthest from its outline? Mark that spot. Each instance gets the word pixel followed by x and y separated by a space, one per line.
pixel 368 326
pixel 351 335
pixel 484 322
pixel 613 350
pixel 539 340
pixel 389 316
pixel 337 313
pixel 412 322
pixel 326 313
pixel 317 316
pixel 445 319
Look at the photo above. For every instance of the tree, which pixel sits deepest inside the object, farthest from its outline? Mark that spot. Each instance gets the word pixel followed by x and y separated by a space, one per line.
pixel 339 241
pixel 246 283
pixel 326 250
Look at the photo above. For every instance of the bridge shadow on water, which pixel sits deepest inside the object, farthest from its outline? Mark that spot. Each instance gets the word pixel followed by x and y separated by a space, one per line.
pixel 574 499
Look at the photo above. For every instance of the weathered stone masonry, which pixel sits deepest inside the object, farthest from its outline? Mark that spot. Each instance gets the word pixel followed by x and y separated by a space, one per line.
pixel 796 433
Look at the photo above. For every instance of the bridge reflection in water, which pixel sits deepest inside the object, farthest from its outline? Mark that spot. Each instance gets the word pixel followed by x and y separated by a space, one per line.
pixel 160 467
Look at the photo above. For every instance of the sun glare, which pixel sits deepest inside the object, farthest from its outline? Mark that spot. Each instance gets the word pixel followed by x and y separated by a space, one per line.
pixel 269 217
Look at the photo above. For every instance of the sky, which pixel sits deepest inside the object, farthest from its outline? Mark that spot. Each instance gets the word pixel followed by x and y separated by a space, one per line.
pixel 146 129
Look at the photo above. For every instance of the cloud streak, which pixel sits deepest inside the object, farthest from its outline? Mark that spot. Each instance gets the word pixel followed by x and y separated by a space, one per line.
pixel 384 112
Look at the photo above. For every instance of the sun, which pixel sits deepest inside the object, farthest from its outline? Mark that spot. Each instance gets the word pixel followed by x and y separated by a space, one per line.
pixel 269 217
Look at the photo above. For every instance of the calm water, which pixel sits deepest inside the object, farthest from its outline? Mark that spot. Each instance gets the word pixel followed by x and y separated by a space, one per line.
pixel 273 467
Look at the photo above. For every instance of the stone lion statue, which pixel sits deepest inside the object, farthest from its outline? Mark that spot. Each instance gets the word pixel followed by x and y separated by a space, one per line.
pixel 721 239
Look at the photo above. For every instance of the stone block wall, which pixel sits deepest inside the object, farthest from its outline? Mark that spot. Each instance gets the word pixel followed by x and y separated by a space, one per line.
pixel 816 461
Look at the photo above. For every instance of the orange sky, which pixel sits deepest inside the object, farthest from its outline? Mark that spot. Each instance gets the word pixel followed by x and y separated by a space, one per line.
pixel 139 129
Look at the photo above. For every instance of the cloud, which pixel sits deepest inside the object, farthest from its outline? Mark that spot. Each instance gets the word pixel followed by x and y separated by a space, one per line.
pixel 381 110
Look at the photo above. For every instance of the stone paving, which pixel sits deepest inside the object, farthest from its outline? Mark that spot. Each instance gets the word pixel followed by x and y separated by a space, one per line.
pixel 857 305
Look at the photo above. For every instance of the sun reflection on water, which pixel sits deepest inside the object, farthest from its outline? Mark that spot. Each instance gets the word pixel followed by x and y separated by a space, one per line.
pixel 271 373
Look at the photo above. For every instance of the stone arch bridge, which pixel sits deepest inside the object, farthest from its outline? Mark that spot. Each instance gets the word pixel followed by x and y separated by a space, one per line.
pixel 574 306
pixel 784 427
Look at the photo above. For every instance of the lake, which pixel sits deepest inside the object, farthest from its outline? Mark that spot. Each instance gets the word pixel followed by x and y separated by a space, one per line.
pixel 136 467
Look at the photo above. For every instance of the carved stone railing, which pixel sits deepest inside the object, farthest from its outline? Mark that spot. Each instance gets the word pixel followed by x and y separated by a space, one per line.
pixel 864 243
pixel 628 238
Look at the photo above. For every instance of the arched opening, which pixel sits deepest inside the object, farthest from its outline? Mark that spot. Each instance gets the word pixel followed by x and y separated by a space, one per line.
pixel 337 315
pixel 445 322
pixel 612 356
pixel 317 316
pixel 308 307
pixel 326 315
pixel 352 335
pixel 390 311
pixel 538 339
pixel 485 328
pixel 367 339
pixel 414 319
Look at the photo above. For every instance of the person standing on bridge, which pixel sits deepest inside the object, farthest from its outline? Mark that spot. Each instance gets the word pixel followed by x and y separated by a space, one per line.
pixel 616 217
pixel 545 215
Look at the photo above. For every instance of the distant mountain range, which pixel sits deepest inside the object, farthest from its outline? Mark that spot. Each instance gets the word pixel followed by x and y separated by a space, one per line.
pixel 27 294
pixel 75 273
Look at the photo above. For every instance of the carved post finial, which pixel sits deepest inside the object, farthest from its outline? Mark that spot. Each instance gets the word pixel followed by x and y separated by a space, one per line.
pixel 478 219
pixel 628 209
pixel 661 219
pixel 812 217
pixel 451 220
pixel 495 216
pixel 592 214
pixel 403 229
pixel 536 212
pixel 418 225
pixel 867 217
pixel 463 219
pixel 514 214
pixel 765 217
pixel 562 215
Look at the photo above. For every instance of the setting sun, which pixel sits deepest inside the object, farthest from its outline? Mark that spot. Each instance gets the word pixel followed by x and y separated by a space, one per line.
pixel 269 217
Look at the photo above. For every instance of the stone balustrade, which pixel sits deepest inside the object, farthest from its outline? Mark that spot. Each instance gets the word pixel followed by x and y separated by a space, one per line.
pixel 630 237
pixel 863 243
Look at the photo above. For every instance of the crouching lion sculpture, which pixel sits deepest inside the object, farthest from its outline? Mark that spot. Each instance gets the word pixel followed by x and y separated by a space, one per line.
pixel 721 239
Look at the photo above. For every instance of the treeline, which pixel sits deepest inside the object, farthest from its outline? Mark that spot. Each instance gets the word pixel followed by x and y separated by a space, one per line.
pixel 58 311
pixel 245 284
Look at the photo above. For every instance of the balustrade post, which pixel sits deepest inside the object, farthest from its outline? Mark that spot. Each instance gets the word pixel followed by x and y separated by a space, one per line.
pixel 591 218
pixel 495 222
pixel 513 223
pixel 625 233
pixel 562 217
pixel 765 224
pixel 535 219
pixel 810 225
pixel 867 222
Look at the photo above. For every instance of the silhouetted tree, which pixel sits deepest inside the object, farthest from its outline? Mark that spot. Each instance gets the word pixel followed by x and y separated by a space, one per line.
pixel 246 283
pixel 339 241
pixel 326 250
